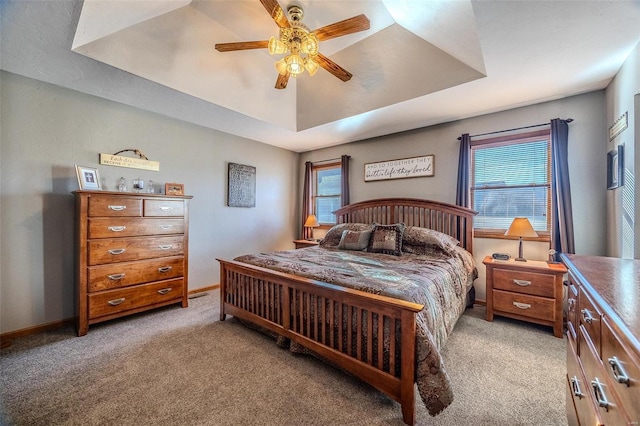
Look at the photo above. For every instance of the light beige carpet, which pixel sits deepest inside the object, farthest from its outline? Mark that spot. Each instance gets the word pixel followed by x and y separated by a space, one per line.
pixel 177 366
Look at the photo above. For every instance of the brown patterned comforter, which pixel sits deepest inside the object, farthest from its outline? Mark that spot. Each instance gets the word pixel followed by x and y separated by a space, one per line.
pixel 437 280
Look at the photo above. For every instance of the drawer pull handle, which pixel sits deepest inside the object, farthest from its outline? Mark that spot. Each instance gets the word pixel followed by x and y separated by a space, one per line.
pixel 575 387
pixel 116 302
pixel 165 247
pixel 164 290
pixel 522 283
pixel 588 318
pixel 521 305
pixel 618 372
pixel 117 251
pixel 166 226
pixel 115 277
pixel 166 208
pixel 117 208
pixel 598 392
pixel 117 228
pixel 164 269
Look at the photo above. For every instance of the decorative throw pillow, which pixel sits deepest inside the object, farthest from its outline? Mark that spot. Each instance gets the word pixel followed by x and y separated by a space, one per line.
pixel 354 240
pixel 334 235
pixel 416 240
pixel 386 239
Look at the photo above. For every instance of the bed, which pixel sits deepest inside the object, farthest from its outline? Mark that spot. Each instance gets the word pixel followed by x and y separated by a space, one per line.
pixel 377 330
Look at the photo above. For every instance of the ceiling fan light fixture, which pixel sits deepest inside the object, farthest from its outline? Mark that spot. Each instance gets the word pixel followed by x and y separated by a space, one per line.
pixel 295 64
pixel 309 45
pixel 276 47
pixel 311 66
pixel 281 66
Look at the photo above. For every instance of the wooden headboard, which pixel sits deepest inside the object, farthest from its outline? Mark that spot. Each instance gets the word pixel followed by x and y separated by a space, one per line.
pixel 447 218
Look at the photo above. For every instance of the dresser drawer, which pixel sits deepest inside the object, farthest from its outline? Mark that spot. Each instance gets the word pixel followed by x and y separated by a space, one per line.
pixel 116 275
pixel 115 301
pixel 578 390
pixel 524 282
pixel 111 250
pixel 114 206
pixel 524 304
pixel 163 208
pixel 131 227
pixel 623 370
pixel 598 386
pixel 589 318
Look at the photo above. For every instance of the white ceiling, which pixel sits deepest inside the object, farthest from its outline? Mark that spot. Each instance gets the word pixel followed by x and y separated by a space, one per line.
pixel 421 62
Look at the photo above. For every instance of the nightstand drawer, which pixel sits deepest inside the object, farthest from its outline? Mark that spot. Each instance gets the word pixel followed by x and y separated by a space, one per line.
pixel 525 305
pixel 524 282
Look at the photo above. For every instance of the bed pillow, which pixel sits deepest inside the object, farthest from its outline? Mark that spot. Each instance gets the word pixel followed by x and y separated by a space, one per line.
pixel 418 240
pixel 334 235
pixel 386 239
pixel 354 240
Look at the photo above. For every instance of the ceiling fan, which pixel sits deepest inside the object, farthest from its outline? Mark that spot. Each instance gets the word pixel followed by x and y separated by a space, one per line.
pixel 299 44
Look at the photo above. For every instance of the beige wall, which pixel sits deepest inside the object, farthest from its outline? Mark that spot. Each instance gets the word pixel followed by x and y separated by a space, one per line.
pixel 46 129
pixel 623 95
pixel 586 167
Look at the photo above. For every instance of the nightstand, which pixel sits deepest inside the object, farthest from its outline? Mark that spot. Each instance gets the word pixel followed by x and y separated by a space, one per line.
pixel 305 243
pixel 528 291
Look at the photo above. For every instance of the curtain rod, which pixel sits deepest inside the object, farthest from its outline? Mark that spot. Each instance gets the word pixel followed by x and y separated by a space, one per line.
pixel 568 120
pixel 328 159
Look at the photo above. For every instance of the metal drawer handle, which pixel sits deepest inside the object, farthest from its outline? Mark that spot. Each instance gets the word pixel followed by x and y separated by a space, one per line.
pixel 117 208
pixel 598 392
pixel 116 302
pixel 588 318
pixel 166 208
pixel 618 372
pixel 575 387
pixel 165 247
pixel 164 269
pixel 117 228
pixel 166 226
pixel 117 251
pixel 116 277
pixel 522 283
pixel 164 290
pixel 521 305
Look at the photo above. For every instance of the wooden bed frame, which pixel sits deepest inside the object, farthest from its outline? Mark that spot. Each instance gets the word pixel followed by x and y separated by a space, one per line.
pixel 304 310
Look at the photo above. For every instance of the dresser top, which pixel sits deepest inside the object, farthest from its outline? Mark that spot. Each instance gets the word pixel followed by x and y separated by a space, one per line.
pixel 616 281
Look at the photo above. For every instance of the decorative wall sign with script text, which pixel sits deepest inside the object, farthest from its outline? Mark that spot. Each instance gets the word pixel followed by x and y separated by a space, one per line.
pixel 399 169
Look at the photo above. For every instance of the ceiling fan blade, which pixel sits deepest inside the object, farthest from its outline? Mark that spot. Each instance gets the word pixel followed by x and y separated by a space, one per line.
pixel 242 45
pixel 282 81
pixel 276 13
pixel 348 26
pixel 332 67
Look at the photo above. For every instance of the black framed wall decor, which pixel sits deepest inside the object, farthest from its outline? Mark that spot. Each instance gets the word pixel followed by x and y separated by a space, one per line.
pixel 242 185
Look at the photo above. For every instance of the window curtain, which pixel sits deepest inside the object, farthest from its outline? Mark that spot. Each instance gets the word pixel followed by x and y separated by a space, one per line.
pixel 464 168
pixel 307 233
pixel 344 183
pixel 562 240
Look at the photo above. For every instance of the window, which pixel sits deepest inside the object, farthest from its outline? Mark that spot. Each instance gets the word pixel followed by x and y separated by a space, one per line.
pixel 326 192
pixel 511 177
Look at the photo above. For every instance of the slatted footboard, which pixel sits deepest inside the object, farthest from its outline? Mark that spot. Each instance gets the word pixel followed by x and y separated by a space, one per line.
pixel 371 336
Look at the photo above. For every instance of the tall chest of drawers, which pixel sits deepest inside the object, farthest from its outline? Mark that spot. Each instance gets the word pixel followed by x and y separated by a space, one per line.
pixel 603 332
pixel 131 254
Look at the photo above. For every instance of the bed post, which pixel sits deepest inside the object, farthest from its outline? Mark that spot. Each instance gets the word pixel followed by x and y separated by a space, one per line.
pixel 223 290
pixel 407 370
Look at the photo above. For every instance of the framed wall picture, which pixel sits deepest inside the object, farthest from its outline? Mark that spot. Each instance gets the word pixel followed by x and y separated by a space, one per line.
pixel 242 185
pixel 88 178
pixel 174 189
pixel 615 167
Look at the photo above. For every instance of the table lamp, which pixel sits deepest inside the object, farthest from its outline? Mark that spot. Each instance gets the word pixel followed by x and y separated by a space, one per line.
pixel 520 227
pixel 311 222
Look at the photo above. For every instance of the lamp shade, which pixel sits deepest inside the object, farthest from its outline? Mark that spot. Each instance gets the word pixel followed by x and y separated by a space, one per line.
pixel 312 221
pixel 521 227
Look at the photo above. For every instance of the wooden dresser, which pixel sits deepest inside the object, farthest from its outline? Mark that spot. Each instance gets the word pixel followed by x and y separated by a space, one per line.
pixel 528 291
pixel 131 254
pixel 603 332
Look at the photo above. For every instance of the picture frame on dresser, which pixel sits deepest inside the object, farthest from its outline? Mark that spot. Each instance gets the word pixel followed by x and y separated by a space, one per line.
pixel 88 178
pixel 174 189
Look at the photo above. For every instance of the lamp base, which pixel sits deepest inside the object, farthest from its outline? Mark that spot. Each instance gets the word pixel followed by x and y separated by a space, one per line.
pixel 520 259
